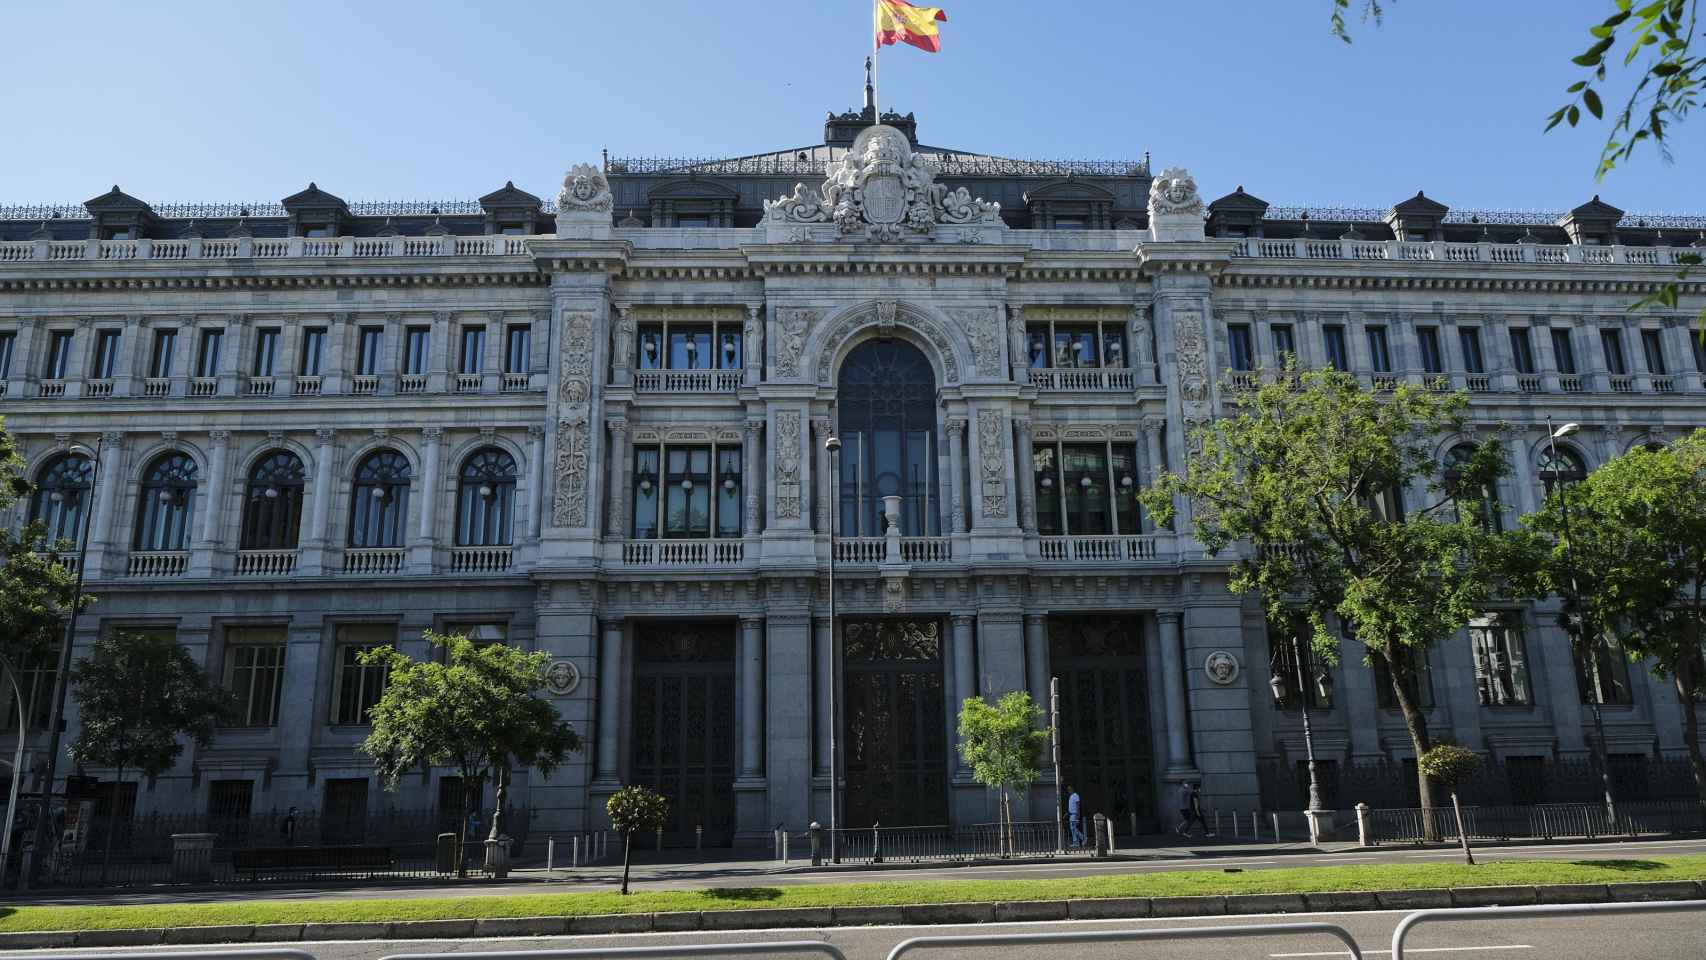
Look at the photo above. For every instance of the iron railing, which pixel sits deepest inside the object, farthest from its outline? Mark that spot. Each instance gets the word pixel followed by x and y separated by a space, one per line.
pixel 1541 821
pixel 1573 910
pixel 979 841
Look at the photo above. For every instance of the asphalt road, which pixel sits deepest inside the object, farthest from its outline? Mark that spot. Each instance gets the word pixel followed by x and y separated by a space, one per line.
pixel 1649 937
pixel 762 872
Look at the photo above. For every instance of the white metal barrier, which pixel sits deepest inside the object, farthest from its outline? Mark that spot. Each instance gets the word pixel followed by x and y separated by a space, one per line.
pixel 257 953
pixel 621 953
pixel 1500 913
pixel 1225 931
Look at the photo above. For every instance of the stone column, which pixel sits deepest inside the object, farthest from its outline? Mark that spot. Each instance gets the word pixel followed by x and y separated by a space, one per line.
pixel 620 463
pixel 1589 348
pixel 1153 460
pixel 823 493
pixel 318 541
pixel 1359 700
pixel 965 675
pixel 1179 765
pixel 335 370
pixel 1037 659
pixel 231 354
pixel 788 725
pixel 539 497
pixel 823 673
pixel 426 504
pixel 751 696
pixel 1545 360
pixel 439 353
pixel 1679 337
pixel 204 557
pixel 133 355
pixel 1023 476
pixel 1501 357
pixel 1522 479
pixel 609 704
pixel 752 471
pixel 957 470
pixel 108 488
pixel 1462 698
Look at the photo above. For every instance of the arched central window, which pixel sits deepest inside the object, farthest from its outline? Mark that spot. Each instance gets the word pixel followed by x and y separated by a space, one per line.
pixel 1560 465
pixel 272 505
pixel 887 424
pixel 485 499
pixel 1481 504
pixel 167 504
pixel 62 494
pixel 379 500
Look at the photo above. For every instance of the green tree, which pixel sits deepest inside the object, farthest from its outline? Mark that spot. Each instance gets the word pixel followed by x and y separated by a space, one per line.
pixel 1449 765
pixel 475 710
pixel 635 809
pixel 1638 528
pixel 1320 478
pixel 1002 745
pixel 137 694
pixel 35 588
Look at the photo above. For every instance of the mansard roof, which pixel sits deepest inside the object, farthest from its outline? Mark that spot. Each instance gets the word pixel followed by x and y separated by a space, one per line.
pixel 509 195
pixel 1239 202
pixel 313 198
pixel 693 186
pixel 1595 209
pixel 1420 206
pixel 116 201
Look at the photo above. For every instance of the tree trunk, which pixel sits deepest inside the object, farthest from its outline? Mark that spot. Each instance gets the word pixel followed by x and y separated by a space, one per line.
pixel 627 856
pixel 1687 687
pixel 1462 834
pixel 112 821
pixel 1416 722
pixel 469 801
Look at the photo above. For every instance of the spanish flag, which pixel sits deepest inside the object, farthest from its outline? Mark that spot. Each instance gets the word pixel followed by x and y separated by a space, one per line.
pixel 900 22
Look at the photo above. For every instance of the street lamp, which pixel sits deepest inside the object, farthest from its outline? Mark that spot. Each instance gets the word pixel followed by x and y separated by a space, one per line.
pixel 1589 639
pixel 832 443
pixel 1323 683
pixel 56 717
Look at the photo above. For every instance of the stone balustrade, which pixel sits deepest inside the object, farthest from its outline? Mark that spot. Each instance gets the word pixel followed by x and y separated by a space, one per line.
pixel 265 563
pixel 689 553
pixel 866 550
pixel 1089 379
pixel 687 381
pixel 1303 248
pixel 157 563
pixel 262 248
pixel 495 559
pixel 1097 549
pixel 370 561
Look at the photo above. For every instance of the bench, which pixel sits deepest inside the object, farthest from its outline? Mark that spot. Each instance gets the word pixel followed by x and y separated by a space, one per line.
pixel 258 860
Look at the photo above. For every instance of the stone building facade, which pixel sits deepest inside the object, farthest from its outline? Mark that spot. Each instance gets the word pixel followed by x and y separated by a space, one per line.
pixel 596 428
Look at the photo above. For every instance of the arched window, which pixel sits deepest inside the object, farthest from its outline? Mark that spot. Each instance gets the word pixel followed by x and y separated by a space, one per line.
pixel 167 503
pixel 887 402
pixel 62 494
pixel 485 499
pixel 1482 504
pixel 1560 465
pixel 272 505
pixel 379 502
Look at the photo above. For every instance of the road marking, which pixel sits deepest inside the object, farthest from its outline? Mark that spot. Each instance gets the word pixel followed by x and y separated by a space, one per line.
pixel 1409 950
pixel 1341 857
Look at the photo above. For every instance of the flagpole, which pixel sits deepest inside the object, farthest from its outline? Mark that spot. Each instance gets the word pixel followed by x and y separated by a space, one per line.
pixel 876 67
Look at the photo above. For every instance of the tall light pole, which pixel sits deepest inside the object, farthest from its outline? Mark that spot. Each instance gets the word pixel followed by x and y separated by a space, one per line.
pixel 57 717
pixel 832 443
pixel 1589 638
pixel 1277 684
pixel 17 764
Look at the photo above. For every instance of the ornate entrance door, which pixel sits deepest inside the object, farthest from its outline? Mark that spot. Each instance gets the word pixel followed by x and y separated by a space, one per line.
pixel 683 742
pixel 1104 717
pixel 896 759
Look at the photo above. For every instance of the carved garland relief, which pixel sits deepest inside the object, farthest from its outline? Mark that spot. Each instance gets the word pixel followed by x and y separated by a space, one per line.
pixel 991 450
pixel 925 326
pixel 1193 358
pixel 787 465
pixel 982 329
pixel 568 504
pixel 795 325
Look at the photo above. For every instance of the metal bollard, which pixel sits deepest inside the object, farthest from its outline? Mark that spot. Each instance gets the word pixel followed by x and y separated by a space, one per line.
pixel 817 844
pixel 1276 826
pixel 1112 850
pixel 660 838
pixel 784 845
pixel 1134 824
pixel 698 837
pixel 876 844
pixel 1217 821
pixel 1099 834
pixel 575 851
pixel 1364 837
pixel 550 858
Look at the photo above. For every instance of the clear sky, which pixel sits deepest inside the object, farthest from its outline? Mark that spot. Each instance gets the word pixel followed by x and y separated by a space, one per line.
pixel 248 100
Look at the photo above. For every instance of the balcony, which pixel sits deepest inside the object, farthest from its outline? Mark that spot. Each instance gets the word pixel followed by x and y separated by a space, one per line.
pixel 876 550
pixel 266 563
pixel 1528 383
pixel 365 384
pixel 481 559
pixel 371 561
pixel 1477 383
pixel 1442 252
pixel 515 383
pixel 258 387
pixel 1664 385
pixel 1570 383
pixel 687 381
pixel 50 388
pixel 157 387
pixel 266 248
pixel 98 388
pixel 1083 380
pixel 155 564
pixel 468 382
pixel 204 387
pixel 1621 384
pixel 412 383
pixel 306 387
pixel 1097 549
pixel 683 553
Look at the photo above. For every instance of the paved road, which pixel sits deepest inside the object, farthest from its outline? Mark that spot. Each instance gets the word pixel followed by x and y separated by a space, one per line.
pixel 1650 937
pixel 762 873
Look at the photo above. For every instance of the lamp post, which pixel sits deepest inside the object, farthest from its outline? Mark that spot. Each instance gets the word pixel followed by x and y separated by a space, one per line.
pixel 57 716
pixel 1588 638
pixel 17 762
pixel 832 443
pixel 1316 813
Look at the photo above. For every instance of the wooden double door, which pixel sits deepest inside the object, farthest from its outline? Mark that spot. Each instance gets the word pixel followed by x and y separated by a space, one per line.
pixel 683 726
pixel 1105 743
pixel 896 738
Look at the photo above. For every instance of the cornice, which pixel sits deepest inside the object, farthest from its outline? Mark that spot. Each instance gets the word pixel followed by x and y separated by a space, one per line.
pixel 1245 273
pixel 101 277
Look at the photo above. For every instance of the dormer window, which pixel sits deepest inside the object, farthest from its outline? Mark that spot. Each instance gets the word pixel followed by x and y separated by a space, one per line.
pixel 1416 236
pixel 1068 223
pixel 118 233
pixel 316 230
pixel 513 229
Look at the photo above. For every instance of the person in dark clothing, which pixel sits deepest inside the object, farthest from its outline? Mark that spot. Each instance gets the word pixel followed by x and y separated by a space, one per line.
pixel 287 828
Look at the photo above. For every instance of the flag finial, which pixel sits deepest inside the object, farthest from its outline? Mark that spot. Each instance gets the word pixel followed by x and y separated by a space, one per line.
pixel 870 92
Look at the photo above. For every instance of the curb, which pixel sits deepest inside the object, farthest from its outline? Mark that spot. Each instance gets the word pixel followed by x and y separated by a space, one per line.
pixel 1015 911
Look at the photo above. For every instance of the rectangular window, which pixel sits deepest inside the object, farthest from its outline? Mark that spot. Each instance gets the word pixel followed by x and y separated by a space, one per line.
pixel 1433 360
pixel 1522 350
pixel 473 350
pixel 266 351
pixel 228 808
pixel 689 346
pixel 358 685
pixel 1501 662
pixel 1338 357
pixel 1603 677
pixel 1654 349
pixel 1563 352
pixel 415 344
pixel 1241 347
pixel 1285 343
pixel 1418 682
pixel 1470 339
pixel 254 673
pixel 8 341
pixel 513 229
pixel 316 230
pixel 687 492
pixel 313 351
pixel 518 350
pixel 207 358
pixel 1075 345
pixel 58 355
pixel 1612 344
pixel 1045 468
pixel 106 355
pixel 344 819
pixel 367 354
pixel 35 682
pixel 165 345
pixel 1086 489
pixel 1379 350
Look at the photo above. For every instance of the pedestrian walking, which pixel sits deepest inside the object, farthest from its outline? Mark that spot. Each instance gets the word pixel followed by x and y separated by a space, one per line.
pixel 1194 810
pixel 1183 828
pixel 287 828
pixel 1073 818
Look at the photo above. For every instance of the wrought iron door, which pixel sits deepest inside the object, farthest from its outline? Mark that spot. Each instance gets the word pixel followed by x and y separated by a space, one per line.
pixel 1104 716
pixel 896 755
pixel 683 742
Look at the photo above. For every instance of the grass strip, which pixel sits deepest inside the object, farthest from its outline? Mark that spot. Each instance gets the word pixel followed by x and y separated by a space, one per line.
pixel 1184 883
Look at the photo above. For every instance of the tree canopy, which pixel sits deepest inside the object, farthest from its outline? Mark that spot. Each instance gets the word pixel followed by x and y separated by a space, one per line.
pixel 137 694
pixel 36 590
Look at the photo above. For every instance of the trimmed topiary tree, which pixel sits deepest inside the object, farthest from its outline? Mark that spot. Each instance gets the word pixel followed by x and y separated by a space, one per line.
pixel 1449 765
pixel 635 809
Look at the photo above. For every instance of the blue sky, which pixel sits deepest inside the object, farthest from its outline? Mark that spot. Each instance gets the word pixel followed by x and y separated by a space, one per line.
pixel 248 101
